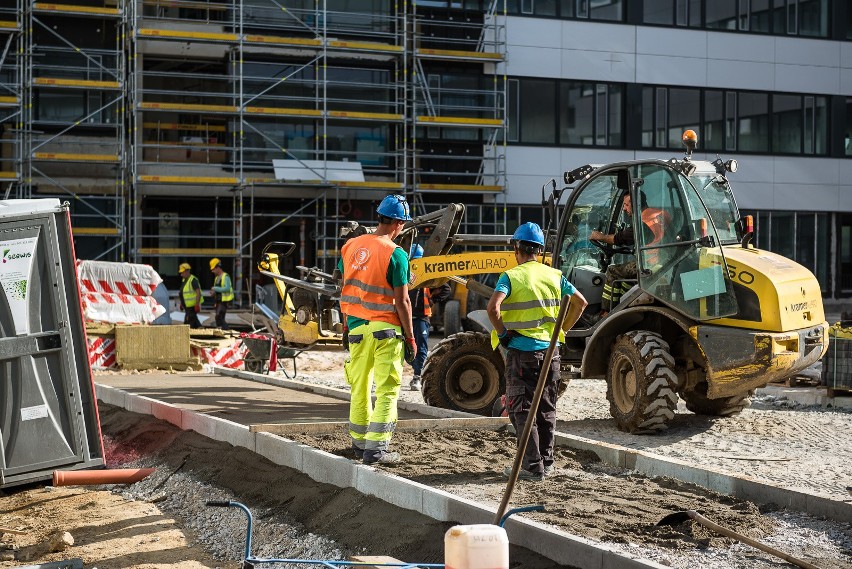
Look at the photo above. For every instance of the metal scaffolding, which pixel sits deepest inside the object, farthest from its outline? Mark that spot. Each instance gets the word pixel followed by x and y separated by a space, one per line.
pixel 161 118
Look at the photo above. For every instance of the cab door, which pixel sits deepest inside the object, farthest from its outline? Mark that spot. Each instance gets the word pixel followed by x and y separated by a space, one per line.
pixel 595 205
pixel 679 254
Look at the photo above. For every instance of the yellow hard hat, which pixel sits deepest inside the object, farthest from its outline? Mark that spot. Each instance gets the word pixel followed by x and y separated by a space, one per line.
pixel 214 262
pixel 184 267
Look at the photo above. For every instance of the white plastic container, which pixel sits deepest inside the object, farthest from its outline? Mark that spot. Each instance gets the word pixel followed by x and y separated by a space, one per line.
pixel 480 546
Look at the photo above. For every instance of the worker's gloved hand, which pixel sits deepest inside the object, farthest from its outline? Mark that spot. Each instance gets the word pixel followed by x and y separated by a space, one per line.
pixel 345 337
pixel 410 350
pixel 197 308
pixel 505 338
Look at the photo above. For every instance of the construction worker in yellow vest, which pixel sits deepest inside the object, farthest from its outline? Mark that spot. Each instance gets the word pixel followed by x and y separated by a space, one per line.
pixel 222 291
pixel 523 310
pixel 190 296
pixel 375 300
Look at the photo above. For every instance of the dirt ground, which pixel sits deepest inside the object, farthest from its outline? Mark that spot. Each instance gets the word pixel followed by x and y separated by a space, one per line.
pixel 108 530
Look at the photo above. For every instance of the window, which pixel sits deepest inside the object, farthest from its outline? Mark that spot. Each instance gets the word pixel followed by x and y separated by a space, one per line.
pixel 607 10
pixel 787 124
pixel 587 114
pixel 753 122
pixel 847 137
pixel 808 18
pixel 537 103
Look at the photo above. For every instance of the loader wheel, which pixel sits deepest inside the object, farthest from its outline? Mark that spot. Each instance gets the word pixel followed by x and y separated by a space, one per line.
pixel 463 373
pixel 697 402
pixel 452 318
pixel 641 383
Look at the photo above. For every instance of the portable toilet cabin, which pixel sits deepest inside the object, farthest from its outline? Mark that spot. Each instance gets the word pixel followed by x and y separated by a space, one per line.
pixel 48 410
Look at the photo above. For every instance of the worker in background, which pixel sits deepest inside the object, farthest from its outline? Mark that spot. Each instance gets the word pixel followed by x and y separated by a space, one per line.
pixel 375 300
pixel 190 296
pixel 222 291
pixel 523 310
pixel 421 311
pixel 654 221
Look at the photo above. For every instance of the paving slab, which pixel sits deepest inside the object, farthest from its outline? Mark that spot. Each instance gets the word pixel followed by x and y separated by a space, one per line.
pixel 233 398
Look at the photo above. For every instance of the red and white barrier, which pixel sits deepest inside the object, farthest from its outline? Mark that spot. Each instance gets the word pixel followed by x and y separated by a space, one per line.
pixel 120 308
pixel 117 278
pixel 101 352
pixel 230 357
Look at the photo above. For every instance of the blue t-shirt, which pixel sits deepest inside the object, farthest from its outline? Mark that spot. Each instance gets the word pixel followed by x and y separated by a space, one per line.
pixel 519 341
pixel 398 275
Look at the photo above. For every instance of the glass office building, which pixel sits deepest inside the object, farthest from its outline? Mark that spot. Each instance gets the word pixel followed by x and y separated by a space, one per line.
pixel 160 121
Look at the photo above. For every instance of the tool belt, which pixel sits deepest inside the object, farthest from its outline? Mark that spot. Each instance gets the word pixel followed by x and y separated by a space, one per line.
pixel 378 335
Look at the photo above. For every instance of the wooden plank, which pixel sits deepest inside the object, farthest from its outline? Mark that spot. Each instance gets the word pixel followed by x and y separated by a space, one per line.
pixel 67 157
pixel 69 9
pixel 185 35
pixel 459 54
pixel 401 425
pixel 182 126
pixel 459 121
pixel 150 106
pixel 366 46
pixel 84 83
pixel 380 562
pixel 95 231
pixel 187 180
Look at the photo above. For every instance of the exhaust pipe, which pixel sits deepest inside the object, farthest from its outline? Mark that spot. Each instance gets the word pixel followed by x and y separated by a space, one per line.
pixel 92 477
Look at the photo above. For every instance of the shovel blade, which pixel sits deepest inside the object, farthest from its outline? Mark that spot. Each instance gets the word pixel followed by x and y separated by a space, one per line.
pixel 674 519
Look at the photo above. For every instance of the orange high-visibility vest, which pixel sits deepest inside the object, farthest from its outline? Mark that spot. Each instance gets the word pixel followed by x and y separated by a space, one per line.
pixel 366 292
pixel 655 220
pixel 427 303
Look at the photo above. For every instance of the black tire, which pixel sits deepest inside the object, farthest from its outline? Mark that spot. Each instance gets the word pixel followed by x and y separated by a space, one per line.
pixel 452 318
pixel 254 366
pixel 641 383
pixel 463 373
pixel 697 402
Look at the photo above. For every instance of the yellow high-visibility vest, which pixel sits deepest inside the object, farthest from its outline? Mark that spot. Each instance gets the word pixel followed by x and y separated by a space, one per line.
pixel 533 303
pixel 188 291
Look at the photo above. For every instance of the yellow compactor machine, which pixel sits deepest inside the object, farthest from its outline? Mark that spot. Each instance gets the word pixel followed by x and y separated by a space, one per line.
pixel 708 319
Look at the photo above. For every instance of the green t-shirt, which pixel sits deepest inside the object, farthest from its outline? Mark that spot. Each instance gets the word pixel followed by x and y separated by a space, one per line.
pixel 398 275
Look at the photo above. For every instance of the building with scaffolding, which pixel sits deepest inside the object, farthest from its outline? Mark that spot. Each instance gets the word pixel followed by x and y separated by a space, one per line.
pixel 160 121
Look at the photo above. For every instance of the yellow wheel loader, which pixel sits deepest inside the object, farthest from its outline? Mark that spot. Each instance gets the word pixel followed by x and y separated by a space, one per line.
pixel 706 316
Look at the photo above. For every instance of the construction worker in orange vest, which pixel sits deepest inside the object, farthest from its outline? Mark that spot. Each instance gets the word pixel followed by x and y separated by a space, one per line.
pixel 421 311
pixel 654 221
pixel 375 300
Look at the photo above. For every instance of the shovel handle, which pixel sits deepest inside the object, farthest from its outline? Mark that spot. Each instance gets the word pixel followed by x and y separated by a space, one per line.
pixel 748 541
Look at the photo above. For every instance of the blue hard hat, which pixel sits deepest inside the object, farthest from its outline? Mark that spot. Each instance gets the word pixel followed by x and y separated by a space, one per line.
pixel 395 207
pixel 529 232
pixel 416 252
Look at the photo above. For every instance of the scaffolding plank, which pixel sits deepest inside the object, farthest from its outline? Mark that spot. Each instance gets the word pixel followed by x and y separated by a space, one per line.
pixel 309 42
pixel 362 115
pixel 365 46
pixel 71 9
pixel 182 126
pixel 70 157
pixel 84 83
pixel 187 251
pixel 186 35
pixel 7 101
pixel 9 176
pixel 283 112
pixel 189 107
pixel 187 180
pixel 459 121
pixel 459 54
pixel 460 187
pixel 368 184
pixel 9 25
pixel 96 231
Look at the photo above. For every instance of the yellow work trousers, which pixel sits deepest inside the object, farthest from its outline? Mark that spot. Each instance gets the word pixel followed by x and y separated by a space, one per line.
pixel 378 359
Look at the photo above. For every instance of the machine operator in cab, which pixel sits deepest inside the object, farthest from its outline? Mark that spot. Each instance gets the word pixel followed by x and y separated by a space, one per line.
pixel 523 310
pixel 653 220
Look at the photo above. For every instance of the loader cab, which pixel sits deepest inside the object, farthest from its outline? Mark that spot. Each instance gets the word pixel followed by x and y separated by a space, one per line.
pixel 677 248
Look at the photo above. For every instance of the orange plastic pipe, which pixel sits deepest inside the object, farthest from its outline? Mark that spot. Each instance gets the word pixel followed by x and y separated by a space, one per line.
pixel 114 476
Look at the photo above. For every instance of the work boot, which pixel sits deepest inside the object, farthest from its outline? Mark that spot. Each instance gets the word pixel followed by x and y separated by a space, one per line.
pixel 524 474
pixel 359 453
pixel 384 458
pixel 548 470
pixel 415 384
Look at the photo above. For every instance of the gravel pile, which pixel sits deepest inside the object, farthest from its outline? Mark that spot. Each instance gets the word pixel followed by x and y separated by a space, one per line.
pixel 222 530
